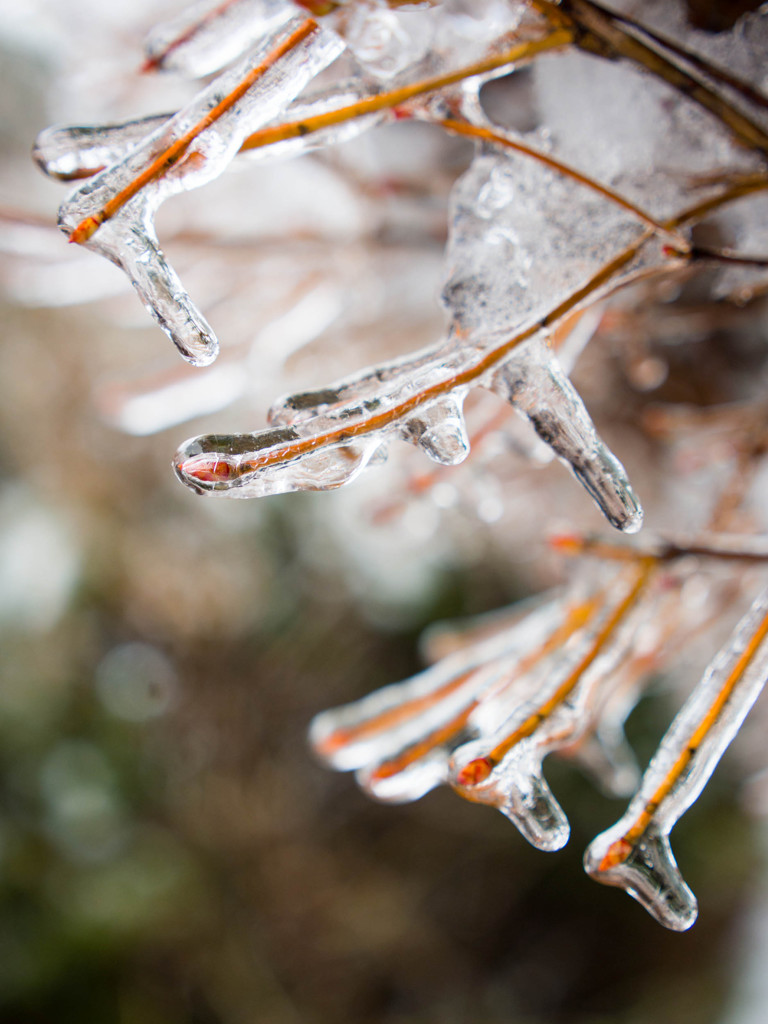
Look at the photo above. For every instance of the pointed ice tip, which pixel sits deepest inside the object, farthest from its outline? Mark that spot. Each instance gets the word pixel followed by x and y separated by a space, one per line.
pixel 537 814
pixel 634 520
pixel 200 349
pixel 648 872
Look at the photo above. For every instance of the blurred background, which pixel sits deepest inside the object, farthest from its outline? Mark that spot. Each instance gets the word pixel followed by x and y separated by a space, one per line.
pixel 170 852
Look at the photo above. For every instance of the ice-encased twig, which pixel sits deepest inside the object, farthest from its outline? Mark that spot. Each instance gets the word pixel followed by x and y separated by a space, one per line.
pixel 113 213
pixel 508 141
pixel 323 439
pixel 503 767
pixel 617 36
pixel 634 854
pixel 71 152
pixel 341 112
pixel 399 738
pixel 484 718
pixel 667 548
pixel 516 55
pixel 209 34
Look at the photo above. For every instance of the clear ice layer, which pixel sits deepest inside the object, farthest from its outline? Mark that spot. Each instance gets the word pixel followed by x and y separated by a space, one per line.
pixel 522 239
pixel 207 36
pixel 387 43
pixel 244 98
pixel 532 381
pixel 391 724
pixel 634 854
pixel 504 768
pixel 80 151
pixel 70 152
pixel 484 718
pixel 325 438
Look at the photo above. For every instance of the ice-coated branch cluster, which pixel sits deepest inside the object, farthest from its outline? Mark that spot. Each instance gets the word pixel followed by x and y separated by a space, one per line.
pixel 644 128
pixel 562 676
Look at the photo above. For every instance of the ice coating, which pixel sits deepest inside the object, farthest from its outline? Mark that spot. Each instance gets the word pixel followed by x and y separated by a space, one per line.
pixel 517 789
pixel 648 141
pixel 313 104
pixel 484 718
pixel 388 42
pixel 113 213
pixel 522 238
pixel 439 430
pixel 504 767
pixel 418 399
pixel 532 381
pixel 693 117
pixel 387 735
pixel 79 151
pixel 634 854
pixel 210 463
pixel 70 152
pixel 208 35
pixel 740 52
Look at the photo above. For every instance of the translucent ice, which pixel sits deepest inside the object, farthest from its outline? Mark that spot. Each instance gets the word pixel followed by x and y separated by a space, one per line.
pixel 387 43
pixel 79 151
pixel 523 238
pixel 389 735
pixel 208 35
pixel 113 212
pixel 518 789
pixel 483 719
pixel 418 399
pixel 504 767
pixel 634 854
pixel 439 430
pixel 264 463
pixel 70 152
pixel 638 132
pixel 532 381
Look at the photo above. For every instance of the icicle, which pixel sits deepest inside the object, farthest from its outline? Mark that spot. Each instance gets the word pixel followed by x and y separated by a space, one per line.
pixel 439 430
pixel 208 35
pixel 517 789
pixel 634 854
pixel 533 382
pixel 113 213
